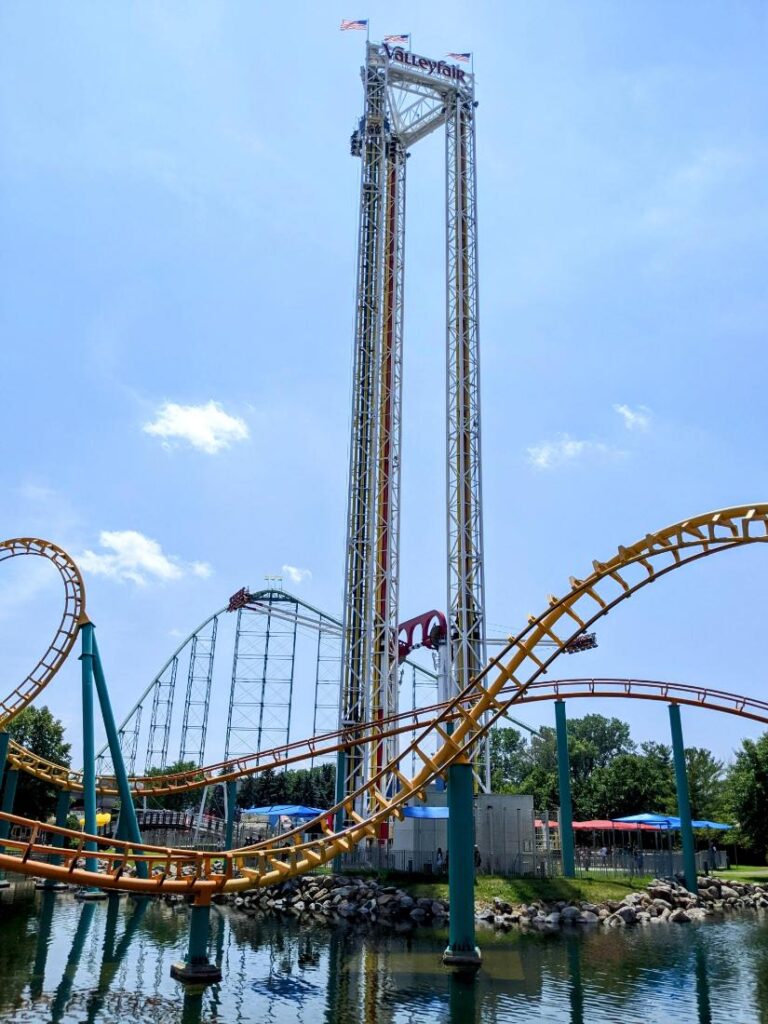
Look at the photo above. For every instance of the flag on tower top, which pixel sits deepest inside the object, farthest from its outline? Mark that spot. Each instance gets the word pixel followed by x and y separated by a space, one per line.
pixel 397 40
pixel 357 26
pixel 464 58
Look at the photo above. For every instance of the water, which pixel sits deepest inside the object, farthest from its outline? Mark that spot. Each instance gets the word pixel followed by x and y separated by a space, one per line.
pixel 109 962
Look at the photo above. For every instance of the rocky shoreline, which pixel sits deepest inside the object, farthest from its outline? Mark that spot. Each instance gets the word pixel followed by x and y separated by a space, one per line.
pixel 333 899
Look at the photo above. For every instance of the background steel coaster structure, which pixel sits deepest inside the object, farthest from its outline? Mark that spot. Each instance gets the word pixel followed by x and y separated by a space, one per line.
pixel 256 656
pixel 405 100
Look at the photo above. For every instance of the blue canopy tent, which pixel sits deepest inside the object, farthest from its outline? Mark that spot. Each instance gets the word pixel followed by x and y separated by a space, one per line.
pixel 276 811
pixel 425 812
pixel 670 821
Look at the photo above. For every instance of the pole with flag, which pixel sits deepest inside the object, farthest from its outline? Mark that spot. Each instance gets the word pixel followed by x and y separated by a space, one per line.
pixel 401 40
pixel 464 58
pixel 354 25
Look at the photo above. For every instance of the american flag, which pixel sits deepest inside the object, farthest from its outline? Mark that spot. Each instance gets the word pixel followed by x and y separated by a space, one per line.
pixel 397 40
pixel 463 58
pixel 357 26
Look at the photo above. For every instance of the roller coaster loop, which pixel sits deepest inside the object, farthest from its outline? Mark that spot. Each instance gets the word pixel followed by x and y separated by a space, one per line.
pixel 504 681
pixel 72 618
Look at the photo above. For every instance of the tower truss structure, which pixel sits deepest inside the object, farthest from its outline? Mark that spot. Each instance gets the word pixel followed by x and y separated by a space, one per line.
pixel 406 98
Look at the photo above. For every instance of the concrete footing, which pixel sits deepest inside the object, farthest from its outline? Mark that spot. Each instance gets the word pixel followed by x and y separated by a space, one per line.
pixel 91 895
pixel 52 886
pixel 196 973
pixel 4 883
pixel 465 960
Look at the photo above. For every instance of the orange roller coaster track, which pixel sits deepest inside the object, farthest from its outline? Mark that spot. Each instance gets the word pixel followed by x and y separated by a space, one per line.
pixel 504 681
pixel 328 743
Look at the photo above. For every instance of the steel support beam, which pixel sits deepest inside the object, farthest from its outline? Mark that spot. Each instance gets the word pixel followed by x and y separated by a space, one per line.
pixel 128 821
pixel 89 749
pixel 683 799
pixel 196 968
pixel 461 951
pixel 564 782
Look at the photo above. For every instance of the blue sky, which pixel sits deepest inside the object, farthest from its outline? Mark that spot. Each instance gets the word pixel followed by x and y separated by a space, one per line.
pixel 178 218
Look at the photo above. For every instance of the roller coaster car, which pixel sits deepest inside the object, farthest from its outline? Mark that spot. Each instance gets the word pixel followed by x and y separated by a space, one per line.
pixel 584 642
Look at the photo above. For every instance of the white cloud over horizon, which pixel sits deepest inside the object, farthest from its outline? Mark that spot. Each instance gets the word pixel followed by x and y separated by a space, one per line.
pixel 130 556
pixel 638 418
pixel 208 428
pixel 566 449
pixel 297 575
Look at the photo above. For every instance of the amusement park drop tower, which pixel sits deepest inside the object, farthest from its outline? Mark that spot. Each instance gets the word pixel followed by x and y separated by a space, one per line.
pixel 406 98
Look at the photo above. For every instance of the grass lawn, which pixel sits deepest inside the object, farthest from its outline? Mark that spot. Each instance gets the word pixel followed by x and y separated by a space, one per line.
pixel 525 890
pixel 745 873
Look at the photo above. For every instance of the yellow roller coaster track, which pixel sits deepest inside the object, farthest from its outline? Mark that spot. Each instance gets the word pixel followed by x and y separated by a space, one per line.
pixel 72 618
pixel 515 669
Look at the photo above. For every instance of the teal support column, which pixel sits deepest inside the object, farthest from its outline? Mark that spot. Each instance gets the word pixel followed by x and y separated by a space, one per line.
pixel 231 808
pixel 341 771
pixel 62 814
pixel 89 746
pixel 564 782
pixel 196 968
pixel 683 799
pixel 129 824
pixel 462 951
pixel 4 741
pixel 9 795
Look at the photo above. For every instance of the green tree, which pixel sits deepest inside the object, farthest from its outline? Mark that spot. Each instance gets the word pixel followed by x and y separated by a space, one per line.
pixel 510 760
pixel 593 741
pixel 38 731
pixel 631 784
pixel 747 793
pixel 705 783
pixel 173 801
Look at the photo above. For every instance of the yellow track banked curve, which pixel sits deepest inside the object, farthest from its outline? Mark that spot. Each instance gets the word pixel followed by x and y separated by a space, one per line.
pixel 473 712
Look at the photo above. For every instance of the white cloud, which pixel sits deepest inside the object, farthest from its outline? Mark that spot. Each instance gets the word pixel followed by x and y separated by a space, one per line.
pixel 131 556
pixel 565 449
pixel 296 575
pixel 634 419
pixel 206 427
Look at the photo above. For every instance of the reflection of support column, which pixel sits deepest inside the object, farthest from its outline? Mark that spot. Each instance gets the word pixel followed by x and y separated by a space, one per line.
pixel 45 920
pixel 231 798
pixel 683 799
pixel 564 781
pixel 64 988
pixel 197 968
pixel 113 955
pixel 462 951
pixel 576 993
pixel 129 825
pixel 464 999
pixel 703 1003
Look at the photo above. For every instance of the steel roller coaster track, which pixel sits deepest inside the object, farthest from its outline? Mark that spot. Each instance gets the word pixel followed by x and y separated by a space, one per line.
pixel 505 680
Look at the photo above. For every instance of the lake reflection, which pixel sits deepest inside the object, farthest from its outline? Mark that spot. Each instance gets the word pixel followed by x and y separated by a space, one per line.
pixel 107 962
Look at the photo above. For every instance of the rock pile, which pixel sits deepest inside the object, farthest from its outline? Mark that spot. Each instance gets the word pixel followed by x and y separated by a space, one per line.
pixel 661 903
pixel 335 898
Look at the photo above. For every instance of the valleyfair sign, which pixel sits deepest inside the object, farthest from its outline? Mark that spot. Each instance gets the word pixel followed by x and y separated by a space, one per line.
pixel 432 67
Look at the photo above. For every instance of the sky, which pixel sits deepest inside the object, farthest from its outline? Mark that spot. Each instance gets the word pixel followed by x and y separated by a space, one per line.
pixel 178 213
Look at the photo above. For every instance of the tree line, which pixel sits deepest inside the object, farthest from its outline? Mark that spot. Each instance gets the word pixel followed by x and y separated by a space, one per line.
pixel 612 776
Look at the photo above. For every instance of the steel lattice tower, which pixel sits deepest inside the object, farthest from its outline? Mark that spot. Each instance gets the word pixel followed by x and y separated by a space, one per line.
pixel 406 98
